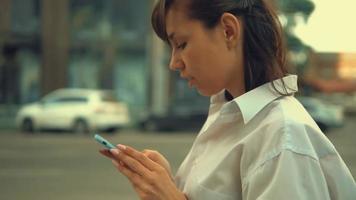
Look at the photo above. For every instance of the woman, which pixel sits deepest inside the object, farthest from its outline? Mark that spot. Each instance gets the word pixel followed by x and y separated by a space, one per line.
pixel 258 141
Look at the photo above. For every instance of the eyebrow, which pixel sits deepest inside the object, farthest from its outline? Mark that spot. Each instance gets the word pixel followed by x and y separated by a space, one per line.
pixel 171 36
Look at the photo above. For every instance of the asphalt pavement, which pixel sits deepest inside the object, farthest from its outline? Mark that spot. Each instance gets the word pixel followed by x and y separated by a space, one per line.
pixel 64 166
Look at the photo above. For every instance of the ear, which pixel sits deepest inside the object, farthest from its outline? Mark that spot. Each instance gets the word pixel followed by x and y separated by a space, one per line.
pixel 232 29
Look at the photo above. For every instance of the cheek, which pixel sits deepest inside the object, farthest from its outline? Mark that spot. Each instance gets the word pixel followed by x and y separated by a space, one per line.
pixel 200 59
pixel 205 62
pixel 204 65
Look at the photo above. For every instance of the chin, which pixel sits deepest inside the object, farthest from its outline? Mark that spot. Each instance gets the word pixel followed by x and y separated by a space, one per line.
pixel 207 92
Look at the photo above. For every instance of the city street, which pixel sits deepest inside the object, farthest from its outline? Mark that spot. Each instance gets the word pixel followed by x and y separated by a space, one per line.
pixel 58 166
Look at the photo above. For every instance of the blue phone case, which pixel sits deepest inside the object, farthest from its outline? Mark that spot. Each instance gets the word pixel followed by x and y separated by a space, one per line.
pixel 104 142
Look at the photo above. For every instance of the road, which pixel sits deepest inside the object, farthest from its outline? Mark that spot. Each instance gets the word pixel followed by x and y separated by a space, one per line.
pixel 58 166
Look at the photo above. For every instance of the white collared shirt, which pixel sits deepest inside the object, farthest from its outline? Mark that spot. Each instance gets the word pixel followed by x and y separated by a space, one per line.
pixel 262 145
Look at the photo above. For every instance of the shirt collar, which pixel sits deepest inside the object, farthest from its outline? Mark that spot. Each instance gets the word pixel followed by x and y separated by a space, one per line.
pixel 255 100
pixel 218 98
pixel 252 102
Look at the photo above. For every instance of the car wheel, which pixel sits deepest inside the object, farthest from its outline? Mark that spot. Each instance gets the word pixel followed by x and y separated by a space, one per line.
pixel 322 127
pixel 111 130
pixel 27 126
pixel 80 126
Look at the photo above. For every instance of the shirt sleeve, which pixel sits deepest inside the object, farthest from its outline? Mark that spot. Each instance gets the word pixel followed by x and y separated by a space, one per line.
pixel 288 175
pixel 341 184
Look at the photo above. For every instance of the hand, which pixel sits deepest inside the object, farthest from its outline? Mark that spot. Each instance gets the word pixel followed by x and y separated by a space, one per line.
pixel 151 154
pixel 159 159
pixel 151 180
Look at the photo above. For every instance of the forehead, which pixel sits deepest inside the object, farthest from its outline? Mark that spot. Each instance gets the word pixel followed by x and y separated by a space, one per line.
pixel 177 18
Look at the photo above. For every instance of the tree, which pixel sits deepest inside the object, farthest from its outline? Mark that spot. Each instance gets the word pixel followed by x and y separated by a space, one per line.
pixel 291 11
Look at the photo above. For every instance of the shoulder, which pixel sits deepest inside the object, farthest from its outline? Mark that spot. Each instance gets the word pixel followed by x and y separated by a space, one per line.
pixel 296 129
pixel 285 125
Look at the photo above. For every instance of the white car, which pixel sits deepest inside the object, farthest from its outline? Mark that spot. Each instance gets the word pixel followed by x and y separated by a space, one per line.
pixel 326 115
pixel 78 110
pixel 347 100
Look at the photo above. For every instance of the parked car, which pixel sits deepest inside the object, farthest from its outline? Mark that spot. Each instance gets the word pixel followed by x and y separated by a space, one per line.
pixel 187 111
pixel 77 110
pixel 346 100
pixel 326 115
pixel 173 121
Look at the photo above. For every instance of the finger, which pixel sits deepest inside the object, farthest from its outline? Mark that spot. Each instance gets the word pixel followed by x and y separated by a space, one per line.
pixel 118 163
pixel 131 163
pixel 149 154
pixel 133 177
pixel 153 155
pixel 144 160
pixel 106 153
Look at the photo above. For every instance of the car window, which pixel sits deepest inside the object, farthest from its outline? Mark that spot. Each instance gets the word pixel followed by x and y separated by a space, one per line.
pixel 108 97
pixel 74 100
pixel 67 100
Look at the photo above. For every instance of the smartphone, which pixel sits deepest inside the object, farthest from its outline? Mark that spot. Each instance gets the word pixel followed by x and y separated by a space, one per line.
pixel 104 142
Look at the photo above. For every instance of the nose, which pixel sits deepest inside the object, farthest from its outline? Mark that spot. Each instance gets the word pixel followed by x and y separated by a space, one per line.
pixel 176 62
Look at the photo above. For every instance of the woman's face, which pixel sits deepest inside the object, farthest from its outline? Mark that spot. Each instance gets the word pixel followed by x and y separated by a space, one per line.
pixel 203 56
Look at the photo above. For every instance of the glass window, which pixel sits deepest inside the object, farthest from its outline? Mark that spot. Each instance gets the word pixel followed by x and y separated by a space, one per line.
pixel 51 100
pixel 74 100
pixel 108 97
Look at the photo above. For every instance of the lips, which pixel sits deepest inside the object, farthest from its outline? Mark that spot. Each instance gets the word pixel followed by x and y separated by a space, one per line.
pixel 188 78
pixel 184 76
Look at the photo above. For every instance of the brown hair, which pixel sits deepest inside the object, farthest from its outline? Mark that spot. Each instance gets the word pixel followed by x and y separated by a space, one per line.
pixel 264 50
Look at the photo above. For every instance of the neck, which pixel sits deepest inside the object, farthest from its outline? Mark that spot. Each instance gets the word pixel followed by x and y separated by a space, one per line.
pixel 237 87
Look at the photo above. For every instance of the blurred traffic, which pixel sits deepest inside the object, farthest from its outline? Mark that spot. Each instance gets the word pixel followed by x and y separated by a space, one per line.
pixel 110 46
pixel 77 110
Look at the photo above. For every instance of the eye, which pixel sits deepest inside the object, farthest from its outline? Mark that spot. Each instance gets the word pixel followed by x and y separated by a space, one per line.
pixel 182 45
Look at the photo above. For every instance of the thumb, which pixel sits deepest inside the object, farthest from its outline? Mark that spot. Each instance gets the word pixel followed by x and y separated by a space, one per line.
pixel 153 155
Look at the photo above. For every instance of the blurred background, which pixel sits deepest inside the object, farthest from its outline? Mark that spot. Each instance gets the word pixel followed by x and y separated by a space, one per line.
pixel 70 68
